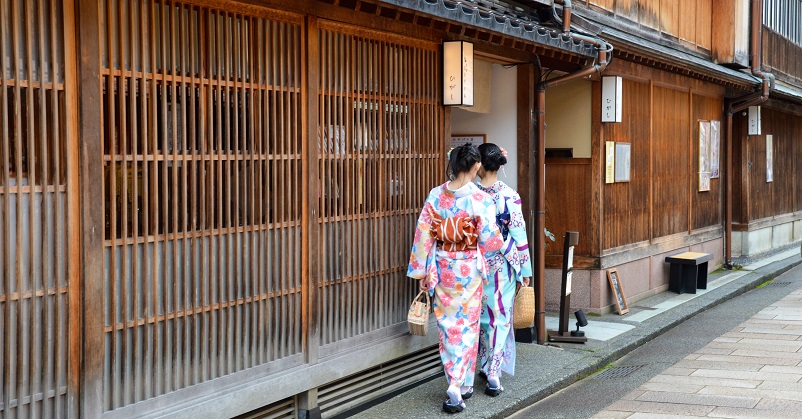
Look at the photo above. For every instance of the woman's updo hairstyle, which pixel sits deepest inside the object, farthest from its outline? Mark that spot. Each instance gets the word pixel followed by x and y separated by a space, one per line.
pixel 492 157
pixel 462 159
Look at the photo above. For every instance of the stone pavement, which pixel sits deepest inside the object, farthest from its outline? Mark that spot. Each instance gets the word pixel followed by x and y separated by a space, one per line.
pixel 543 370
pixel 752 371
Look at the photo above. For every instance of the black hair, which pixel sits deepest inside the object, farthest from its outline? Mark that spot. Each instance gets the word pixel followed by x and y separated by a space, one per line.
pixel 462 160
pixel 492 157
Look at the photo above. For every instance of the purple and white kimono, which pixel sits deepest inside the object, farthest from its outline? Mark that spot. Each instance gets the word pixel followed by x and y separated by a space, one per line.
pixel 505 269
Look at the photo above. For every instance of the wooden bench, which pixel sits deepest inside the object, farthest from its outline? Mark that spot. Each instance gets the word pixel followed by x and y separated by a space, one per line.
pixel 688 271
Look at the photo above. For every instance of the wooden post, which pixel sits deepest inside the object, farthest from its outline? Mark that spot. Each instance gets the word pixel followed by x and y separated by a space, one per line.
pixel 310 167
pixel 527 74
pixel 86 296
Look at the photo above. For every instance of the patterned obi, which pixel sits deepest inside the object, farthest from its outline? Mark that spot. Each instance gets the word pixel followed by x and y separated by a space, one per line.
pixel 453 234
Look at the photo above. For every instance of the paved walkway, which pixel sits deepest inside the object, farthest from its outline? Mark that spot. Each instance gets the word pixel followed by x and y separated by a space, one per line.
pixel 544 370
pixel 752 371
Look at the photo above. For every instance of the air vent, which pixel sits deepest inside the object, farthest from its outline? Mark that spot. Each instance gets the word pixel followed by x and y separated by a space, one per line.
pixel 286 408
pixel 352 391
pixel 615 373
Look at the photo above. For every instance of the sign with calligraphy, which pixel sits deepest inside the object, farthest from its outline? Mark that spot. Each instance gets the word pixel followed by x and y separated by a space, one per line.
pixel 457 73
pixel 611 99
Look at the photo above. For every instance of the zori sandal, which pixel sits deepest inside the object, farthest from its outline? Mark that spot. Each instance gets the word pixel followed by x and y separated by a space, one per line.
pixel 453 408
pixel 494 391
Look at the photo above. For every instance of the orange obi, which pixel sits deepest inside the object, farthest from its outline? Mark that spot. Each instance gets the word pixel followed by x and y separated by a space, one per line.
pixel 453 233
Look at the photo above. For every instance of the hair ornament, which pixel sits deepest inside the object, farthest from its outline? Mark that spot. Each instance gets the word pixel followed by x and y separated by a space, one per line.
pixel 503 152
pixel 449 152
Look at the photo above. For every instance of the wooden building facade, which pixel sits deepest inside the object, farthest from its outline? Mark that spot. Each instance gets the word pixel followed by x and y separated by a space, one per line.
pixel 206 207
pixel 681 63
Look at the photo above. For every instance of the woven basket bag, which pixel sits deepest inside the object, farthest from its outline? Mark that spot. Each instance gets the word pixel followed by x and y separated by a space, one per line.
pixel 523 312
pixel 418 316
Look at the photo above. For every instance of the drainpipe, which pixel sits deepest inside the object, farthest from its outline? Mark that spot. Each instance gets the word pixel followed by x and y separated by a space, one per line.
pixel 540 163
pixel 566 14
pixel 739 104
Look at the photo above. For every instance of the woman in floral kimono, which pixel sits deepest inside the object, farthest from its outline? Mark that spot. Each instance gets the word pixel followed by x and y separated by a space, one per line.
pixel 507 270
pixel 456 231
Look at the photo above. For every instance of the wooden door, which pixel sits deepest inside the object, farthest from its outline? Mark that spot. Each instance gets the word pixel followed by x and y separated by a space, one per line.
pixel 380 152
pixel 38 209
pixel 202 195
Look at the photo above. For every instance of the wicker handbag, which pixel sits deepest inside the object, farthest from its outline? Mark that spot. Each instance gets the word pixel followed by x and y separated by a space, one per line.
pixel 418 316
pixel 523 312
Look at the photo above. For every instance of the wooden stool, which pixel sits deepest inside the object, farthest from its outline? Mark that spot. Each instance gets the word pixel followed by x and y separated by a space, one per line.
pixel 688 271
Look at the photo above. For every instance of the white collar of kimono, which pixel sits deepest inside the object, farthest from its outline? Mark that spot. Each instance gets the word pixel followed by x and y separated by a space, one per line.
pixel 468 189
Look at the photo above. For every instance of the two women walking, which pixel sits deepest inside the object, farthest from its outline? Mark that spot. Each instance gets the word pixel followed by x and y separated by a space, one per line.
pixel 466 254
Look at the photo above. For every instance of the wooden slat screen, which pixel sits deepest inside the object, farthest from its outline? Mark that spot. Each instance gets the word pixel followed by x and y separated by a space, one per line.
pixel 202 194
pixel 381 153
pixel 33 210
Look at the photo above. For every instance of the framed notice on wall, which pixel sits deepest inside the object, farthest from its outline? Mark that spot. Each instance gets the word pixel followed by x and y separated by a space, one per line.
pixel 609 162
pixel 475 139
pixel 622 157
pixel 715 144
pixel 618 291
pixel 704 155
pixel 769 158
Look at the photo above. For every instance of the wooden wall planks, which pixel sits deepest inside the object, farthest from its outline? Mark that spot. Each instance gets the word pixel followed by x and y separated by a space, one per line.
pixel 689 21
pixel 627 204
pixel 662 197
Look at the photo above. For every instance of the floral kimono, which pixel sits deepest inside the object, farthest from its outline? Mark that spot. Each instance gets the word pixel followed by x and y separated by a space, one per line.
pixel 455 269
pixel 505 268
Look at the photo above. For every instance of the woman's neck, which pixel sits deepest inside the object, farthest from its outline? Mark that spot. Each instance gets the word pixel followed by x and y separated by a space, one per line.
pixel 459 182
pixel 489 179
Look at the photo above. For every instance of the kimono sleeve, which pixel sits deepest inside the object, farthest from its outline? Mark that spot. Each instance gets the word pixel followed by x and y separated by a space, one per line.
pixel 490 240
pixel 518 234
pixel 422 244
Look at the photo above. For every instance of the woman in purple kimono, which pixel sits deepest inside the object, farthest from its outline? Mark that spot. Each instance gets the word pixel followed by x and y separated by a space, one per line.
pixel 456 232
pixel 507 269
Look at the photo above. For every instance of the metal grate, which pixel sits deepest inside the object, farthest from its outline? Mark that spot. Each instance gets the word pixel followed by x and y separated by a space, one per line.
pixel 777 284
pixel 615 373
pixel 357 389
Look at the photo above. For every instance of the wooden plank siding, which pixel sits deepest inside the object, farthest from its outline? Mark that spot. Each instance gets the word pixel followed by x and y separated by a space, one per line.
pixel 781 196
pixel 706 208
pixel 626 204
pixel 782 57
pixel 36 240
pixel 661 114
pixel 688 21
pixel 568 197
pixel 671 162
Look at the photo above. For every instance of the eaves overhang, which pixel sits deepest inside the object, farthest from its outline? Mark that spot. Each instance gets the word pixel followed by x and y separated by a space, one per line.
pixel 472 15
pixel 786 92
pixel 636 49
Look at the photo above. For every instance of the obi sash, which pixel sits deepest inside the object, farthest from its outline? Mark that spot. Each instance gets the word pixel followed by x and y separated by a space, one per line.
pixel 453 233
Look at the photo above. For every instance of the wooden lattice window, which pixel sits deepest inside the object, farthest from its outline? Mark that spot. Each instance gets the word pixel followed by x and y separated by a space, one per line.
pixel 202 194
pixel 34 237
pixel 381 151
